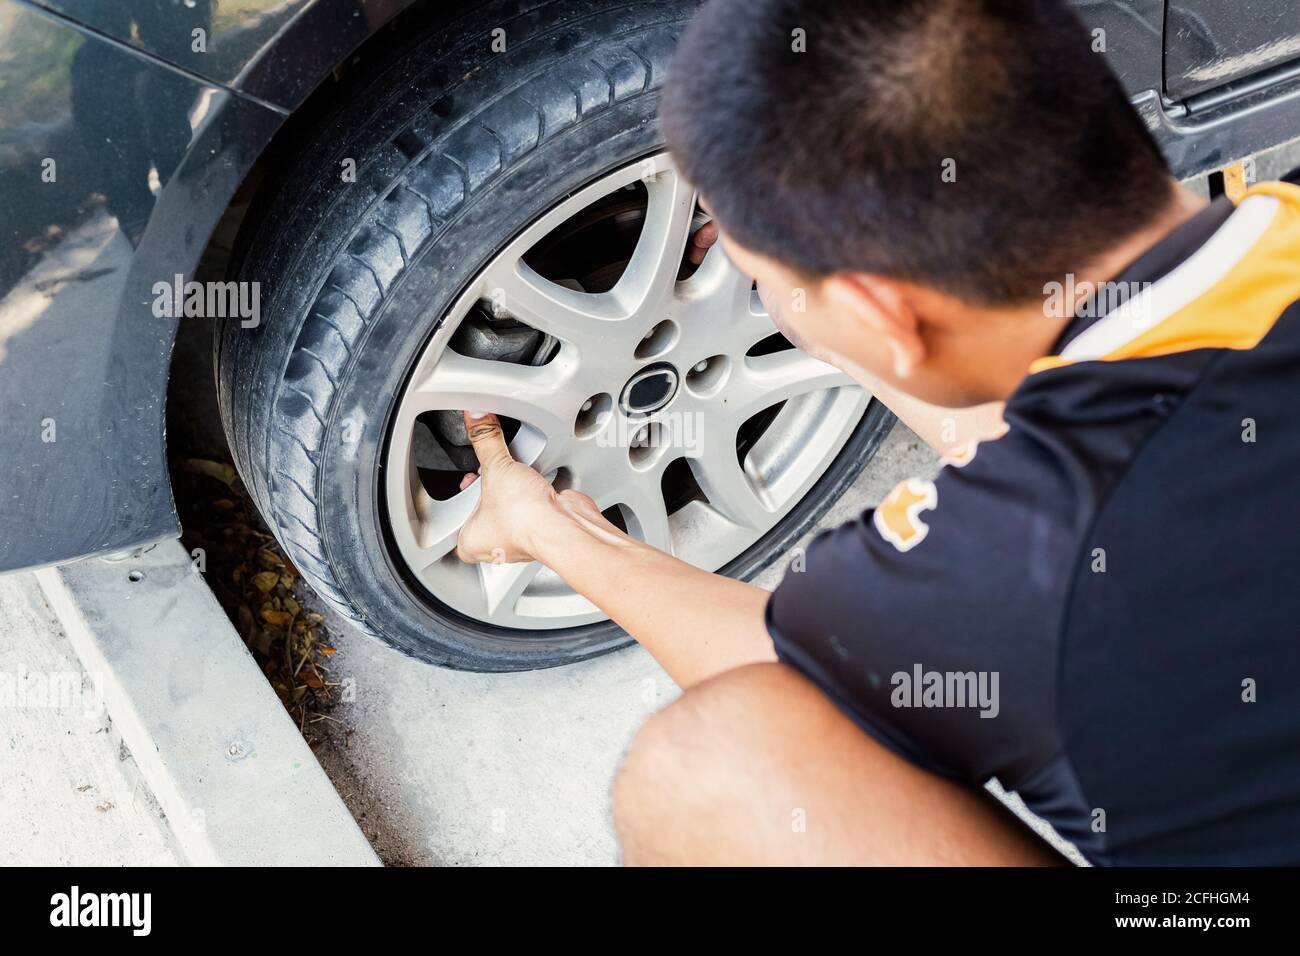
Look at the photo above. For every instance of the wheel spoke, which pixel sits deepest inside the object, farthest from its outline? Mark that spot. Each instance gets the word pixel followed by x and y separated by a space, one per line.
pixel 651 273
pixel 647 515
pixel 514 288
pixel 607 478
pixel 439 535
pixel 752 321
pixel 765 380
pixel 504 583
pixel 722 289
pixel 537 396
pixel 730 491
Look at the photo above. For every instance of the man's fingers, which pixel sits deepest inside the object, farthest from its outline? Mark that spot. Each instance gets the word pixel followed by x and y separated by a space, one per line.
pixel 468 480
pixel 489 443
pixel 704 239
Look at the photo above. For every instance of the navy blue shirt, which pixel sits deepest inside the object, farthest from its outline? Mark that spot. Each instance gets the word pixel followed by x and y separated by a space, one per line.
pixel 1100 608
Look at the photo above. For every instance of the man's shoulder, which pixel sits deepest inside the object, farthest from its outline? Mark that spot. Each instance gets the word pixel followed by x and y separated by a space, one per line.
pixel 1017 497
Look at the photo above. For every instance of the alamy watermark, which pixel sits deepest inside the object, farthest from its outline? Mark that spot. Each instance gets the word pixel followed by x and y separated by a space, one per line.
pixel 1091 300
pixel 920 688
pixel 208 300
pixel 74 908
pixel 679 430
pixel 55 690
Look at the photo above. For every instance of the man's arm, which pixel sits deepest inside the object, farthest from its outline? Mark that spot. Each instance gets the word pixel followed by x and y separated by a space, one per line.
pixel 696 624
pixel 946 430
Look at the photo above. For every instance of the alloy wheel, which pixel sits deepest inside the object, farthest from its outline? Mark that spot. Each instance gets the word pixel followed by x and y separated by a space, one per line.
pixel 661 391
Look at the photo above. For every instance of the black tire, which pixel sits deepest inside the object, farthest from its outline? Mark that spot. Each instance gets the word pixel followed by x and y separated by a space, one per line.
pixel 456 150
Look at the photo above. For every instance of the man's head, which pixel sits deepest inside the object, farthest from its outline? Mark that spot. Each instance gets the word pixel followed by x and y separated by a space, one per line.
pixel 912 166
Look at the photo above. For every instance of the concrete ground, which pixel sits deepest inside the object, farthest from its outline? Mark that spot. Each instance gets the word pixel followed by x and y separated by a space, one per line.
pixel 70 794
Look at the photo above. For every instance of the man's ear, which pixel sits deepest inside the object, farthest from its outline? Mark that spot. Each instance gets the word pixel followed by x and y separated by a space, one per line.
pixel 882 308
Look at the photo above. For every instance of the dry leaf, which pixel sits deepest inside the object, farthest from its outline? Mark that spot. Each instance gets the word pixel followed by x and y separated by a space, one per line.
pixel 278 618
pixel 222 471
pixel 265 580
pixel 256 583
pixel 270 559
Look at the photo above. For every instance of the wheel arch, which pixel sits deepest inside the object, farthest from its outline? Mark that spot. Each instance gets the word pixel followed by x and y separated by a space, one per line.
pixel 347 61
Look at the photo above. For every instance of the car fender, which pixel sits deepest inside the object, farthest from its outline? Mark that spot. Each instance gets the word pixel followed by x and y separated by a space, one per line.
pixel 114 171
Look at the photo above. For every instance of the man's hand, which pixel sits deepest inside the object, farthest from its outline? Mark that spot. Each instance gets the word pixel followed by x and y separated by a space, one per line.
pixel 513 500
pixel 696 624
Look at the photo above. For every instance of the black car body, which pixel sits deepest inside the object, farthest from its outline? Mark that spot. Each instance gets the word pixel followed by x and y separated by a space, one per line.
pixel 128 126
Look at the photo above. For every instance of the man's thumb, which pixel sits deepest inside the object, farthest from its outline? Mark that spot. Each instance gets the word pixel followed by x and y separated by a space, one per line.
pixel 485 434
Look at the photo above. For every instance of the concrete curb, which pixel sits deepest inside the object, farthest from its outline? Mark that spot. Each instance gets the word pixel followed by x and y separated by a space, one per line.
pixel 239 785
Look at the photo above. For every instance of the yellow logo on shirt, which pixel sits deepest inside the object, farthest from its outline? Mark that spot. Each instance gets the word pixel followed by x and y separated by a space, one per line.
pixel 959 456
pixel 898 517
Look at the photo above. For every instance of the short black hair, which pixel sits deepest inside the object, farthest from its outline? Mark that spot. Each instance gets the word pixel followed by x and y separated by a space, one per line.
pixel 820 132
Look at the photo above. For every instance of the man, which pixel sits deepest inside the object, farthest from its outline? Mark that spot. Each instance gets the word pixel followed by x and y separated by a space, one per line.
pixel 1094 606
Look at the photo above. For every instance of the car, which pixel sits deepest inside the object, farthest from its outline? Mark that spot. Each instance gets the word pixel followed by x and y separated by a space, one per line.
pixel 432 207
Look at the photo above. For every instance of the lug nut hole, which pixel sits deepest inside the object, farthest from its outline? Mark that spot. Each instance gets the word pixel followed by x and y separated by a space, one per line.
pixel 658 340
pixel 707 377
pixel 593 415
pixel 647 443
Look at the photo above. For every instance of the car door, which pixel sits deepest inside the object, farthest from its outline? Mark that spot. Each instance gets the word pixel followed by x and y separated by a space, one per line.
pixel 1129 34
pixel 1209 43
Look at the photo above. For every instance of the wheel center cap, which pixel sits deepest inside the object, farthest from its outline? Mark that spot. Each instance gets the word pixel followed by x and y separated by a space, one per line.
pixel 649 390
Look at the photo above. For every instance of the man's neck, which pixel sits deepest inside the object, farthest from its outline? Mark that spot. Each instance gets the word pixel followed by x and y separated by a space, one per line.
pixel 1029 332
pixel 1184 204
